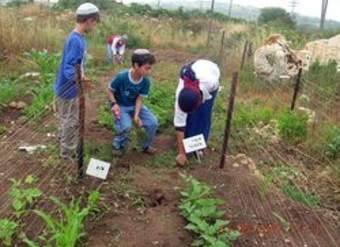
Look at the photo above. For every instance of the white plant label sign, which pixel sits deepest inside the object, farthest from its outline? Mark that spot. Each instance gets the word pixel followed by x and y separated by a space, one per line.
pixel 98 169
pixel 194 143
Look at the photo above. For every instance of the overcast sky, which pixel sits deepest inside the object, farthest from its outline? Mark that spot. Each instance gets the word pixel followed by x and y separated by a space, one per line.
pixel 305 7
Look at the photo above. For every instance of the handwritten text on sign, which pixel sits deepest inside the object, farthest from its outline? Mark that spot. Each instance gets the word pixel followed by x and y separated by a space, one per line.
pixel 98 169
pixel 194 143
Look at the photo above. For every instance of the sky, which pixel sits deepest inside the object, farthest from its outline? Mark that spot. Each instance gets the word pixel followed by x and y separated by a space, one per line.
pixel 305 7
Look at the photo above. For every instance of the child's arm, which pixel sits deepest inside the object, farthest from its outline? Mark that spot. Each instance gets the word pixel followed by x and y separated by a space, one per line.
pixel 113 86
pixel 73 57
pixel 138 107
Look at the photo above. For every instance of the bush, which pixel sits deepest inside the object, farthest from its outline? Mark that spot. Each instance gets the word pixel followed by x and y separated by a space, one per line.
pixel 293 126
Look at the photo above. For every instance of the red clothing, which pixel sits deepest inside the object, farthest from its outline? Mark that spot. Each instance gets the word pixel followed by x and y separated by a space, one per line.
pixel 111 38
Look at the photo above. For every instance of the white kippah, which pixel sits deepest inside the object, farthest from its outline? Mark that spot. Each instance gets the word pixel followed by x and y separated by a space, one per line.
pixel 87 9
pixel 141 51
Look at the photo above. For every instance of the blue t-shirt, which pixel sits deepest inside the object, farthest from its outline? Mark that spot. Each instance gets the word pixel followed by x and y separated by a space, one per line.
pixel 73 54
pixel 126 90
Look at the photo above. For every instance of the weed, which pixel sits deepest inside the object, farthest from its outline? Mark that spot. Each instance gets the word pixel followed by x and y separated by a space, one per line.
pixel 7 231
pixel 204 217
pixel 23 197
pixel 293 126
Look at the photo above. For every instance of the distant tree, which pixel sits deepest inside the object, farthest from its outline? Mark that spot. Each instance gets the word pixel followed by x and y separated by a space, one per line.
pixel 277 16
pixel 101 4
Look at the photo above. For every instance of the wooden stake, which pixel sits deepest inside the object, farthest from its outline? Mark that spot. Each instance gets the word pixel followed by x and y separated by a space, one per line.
pixel 245 49
pixel 80 148
pixel 234 83
pixel 296 89
pixel 222 48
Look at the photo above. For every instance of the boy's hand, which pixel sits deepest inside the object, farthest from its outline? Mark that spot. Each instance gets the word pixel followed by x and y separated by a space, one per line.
pixel 116 111
pixel 138 121
pixel 181 160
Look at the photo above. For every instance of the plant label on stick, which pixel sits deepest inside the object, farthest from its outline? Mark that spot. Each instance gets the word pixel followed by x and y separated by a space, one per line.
pixel 194 143
pixel 98 169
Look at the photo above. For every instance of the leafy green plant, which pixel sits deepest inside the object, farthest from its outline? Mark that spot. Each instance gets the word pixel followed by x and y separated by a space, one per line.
pixel 23 197
pixel 68 230
pixel 293 126
pixel 204 217
pixel 7 231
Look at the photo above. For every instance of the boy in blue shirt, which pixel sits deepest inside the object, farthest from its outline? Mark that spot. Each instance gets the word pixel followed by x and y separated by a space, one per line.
pixel 65 87
pixel 126 93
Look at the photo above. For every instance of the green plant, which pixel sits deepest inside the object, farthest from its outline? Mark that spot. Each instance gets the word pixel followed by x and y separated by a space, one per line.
pixel 105 117
pixel 161 101
pixel 247 115
pixel 333 145
pixel 47 64
pixel 296 194
pixel 23 197
pixel 3 129
pixel 8 91
pixel 204 217
pixel 68 230
pixel 7 231
pixel 293 126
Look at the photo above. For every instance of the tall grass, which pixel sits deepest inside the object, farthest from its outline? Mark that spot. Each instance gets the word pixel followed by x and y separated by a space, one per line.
pixel 20 31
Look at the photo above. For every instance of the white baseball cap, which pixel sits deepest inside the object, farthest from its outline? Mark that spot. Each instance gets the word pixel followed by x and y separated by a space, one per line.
pixel 87 9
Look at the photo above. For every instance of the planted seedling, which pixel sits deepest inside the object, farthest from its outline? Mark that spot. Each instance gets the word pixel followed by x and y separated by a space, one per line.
pixel 68 230
pixel 23 197
pixel 204 217
pixel 7 231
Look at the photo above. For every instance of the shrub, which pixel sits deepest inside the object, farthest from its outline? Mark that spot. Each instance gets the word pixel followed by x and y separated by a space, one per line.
pixel 293 126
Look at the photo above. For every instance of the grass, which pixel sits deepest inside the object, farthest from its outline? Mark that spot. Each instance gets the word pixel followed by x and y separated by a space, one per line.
pixel 300 196
pixel 8 91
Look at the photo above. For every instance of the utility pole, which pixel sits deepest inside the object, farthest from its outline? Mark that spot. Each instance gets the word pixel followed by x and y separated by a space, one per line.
pixel 324 7
pixel 230 7
pixel 212 6
pixel 159 4
pixel 293 5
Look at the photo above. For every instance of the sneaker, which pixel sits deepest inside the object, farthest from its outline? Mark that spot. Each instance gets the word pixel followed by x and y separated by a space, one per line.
pixel 117 152
pixel 150 151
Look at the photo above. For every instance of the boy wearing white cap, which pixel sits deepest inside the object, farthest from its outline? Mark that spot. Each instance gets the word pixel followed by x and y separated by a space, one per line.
pixel 65 87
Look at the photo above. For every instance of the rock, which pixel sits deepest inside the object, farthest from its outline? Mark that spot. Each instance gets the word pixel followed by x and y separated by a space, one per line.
pixel 236 165
pixel 21 105
pixel 244 162
pixel 251 164
pixel 17 105
pixel 241 156
pixel 30 75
